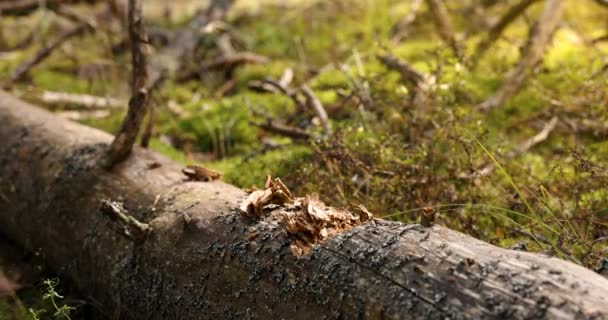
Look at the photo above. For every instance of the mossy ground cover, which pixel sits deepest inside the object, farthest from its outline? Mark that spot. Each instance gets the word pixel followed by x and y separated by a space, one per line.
pixel 383 152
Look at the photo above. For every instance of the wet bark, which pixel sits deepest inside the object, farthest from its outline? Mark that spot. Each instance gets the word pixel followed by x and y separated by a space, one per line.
pixel 204 260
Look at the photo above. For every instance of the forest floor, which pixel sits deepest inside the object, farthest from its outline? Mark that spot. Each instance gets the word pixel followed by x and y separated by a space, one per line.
pixel 531 174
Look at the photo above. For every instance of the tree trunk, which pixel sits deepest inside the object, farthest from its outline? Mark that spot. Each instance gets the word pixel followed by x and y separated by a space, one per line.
pixel 202 259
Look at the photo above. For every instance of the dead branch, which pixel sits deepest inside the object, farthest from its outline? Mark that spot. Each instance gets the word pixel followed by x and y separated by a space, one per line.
pixel 277 86
pixel 22 7
pixel 224 62
pixel 75 115
pixel 123 142
pixel 78 101
pixel 204 259
pixel 178 53
pixel 408 74
pixel 45 52
pixel 416 81
pixel 520 149
pixel 282 129
pixel 441 19
pixel 535 140
pixel 315 104
pixel 129 227
pixel 401 30
pixel 539 38
pixel 497 29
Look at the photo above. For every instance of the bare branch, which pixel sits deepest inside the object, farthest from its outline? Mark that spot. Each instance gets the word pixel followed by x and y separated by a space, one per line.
pixel 401 29
pixel 497 29
pixel 314 103
pixel 284 130
pixel 444 26
pixel 81 101
pixel 125 139
pixel 45 52
pixel 228 62
pixel 129 227
pixel 522 148
pixel 540 36
pixel 416 81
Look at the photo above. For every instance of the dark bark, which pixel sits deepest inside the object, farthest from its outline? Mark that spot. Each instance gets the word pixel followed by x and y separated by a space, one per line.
pixel 204 260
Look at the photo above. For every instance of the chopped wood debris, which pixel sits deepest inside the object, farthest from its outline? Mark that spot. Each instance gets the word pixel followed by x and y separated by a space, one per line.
pixel 306 219
pixel 198 173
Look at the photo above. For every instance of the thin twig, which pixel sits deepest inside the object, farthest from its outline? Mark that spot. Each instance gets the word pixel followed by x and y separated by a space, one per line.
pixel 539 38
pixel 498 28
pixel 314 103
pixel 79 101
pixel 441 19
pixel 401 29
pixel 417 81
pixel 284 130
pixel 228 62
pixel 522 148
pixel 130 227
pixel 45 52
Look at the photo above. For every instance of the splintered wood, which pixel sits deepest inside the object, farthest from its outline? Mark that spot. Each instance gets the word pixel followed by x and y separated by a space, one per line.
pixel 306 219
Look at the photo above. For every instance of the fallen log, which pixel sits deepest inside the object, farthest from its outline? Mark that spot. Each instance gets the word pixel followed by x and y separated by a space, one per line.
pixel 202 258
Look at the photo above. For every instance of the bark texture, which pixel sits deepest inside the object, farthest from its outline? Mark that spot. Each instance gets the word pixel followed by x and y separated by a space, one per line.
pixel 204 260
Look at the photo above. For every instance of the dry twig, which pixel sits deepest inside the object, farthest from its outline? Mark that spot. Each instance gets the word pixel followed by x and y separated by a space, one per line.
pixel 125 139
pixel 45 52
pixel 129 227
pixel 284 130
pixel 540 35
pixel 80 101
pixel 444 26
pixel 498 28
pixel 314 103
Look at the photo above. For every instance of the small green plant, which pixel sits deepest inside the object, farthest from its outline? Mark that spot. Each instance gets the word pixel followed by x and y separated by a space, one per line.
pixel 61 311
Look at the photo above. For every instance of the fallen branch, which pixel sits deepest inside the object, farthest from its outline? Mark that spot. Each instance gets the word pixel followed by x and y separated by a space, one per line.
pixel 401 30
pixel 45 52
pixel 22 7
pixel 497 29
pixel 540 35
pixel 284 130
pixel 441 19
pixel 78 101
pixel 315 104
pixel 205 259
pixel 224 62
pixel 520 149
pixel 417 82
pixel 83 115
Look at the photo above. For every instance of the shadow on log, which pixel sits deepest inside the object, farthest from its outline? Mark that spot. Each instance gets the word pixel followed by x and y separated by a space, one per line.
pixel 205 260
